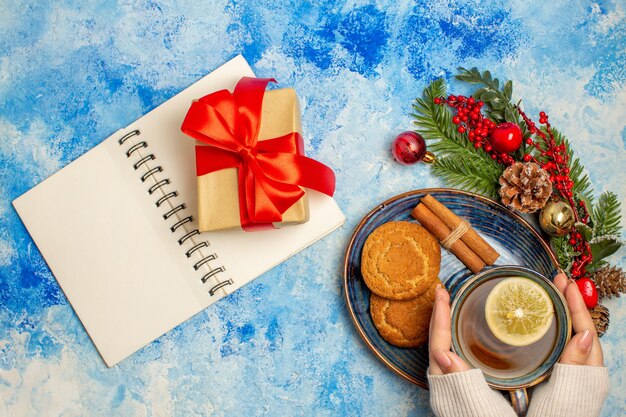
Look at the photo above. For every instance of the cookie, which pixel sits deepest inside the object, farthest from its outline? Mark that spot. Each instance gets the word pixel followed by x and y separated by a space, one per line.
pixel 404 323
pixel 400 260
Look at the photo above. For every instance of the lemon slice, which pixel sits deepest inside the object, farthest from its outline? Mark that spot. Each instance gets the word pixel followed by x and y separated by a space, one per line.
pixel 518 311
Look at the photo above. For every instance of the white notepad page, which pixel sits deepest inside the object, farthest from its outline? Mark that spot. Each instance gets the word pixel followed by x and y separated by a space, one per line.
pixel 114 255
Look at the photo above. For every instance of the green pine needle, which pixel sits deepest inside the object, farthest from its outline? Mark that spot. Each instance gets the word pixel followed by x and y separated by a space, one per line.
pixel 470 174
pixel 606 215
pixel 563 251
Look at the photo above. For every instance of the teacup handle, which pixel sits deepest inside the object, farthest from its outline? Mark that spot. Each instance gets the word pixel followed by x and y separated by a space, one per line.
pixel 519 401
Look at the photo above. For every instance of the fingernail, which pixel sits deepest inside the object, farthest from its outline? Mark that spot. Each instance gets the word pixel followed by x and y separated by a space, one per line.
pixel 585 341
pixel 437 288
pixel 442 359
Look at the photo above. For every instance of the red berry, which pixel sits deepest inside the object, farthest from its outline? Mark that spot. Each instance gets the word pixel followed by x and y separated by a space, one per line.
pixel 588 290
pixel 526 158
pixel 461 129
pixel 456 120
pixel 437 100
pixel 506 137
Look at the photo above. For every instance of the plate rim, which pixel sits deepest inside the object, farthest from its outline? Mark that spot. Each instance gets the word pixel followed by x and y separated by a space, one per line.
pixel 382 205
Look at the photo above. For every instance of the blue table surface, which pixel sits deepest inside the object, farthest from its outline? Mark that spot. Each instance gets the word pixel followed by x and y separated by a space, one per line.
pixel 73 72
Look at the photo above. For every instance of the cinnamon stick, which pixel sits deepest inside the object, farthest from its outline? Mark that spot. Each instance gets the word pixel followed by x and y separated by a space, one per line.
pixel 472 239
pixel 435 226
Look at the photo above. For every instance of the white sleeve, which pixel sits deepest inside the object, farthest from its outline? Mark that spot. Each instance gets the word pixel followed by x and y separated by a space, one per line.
pixel 572 390
pixel 466 394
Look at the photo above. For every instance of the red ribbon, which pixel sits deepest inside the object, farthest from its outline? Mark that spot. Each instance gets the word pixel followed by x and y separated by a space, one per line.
pixel 270 172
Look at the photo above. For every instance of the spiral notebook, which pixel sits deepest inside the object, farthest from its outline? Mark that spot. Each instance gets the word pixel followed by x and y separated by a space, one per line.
pixel 118 232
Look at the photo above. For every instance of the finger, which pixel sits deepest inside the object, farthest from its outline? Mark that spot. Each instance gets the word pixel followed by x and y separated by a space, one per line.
pixel 578 349
pixel 449 362
pixel 439 332
pixel 440 325
pixel 560 281
pixel 581 321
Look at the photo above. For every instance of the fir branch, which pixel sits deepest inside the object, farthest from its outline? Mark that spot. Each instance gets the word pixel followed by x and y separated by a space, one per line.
pixel 606 215
pixel 435 121
pixel 563 251
pixel 474 176
pixel 458 163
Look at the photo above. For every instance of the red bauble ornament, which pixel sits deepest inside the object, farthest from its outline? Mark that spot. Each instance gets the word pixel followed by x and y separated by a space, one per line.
pixel 409 148
pixel 589 291
pixel 506 137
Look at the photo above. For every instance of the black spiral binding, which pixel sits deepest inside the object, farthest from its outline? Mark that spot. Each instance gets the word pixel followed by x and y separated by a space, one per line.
pixel 160 184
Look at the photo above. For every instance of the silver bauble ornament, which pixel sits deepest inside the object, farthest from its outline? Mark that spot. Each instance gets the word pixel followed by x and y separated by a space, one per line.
pixel 556 218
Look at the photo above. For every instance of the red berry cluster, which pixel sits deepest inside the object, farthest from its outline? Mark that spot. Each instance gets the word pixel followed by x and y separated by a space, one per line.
pixel 557 164
pixel 470 120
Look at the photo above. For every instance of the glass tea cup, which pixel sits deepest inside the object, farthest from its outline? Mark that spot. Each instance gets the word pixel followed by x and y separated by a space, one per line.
pixel 506 367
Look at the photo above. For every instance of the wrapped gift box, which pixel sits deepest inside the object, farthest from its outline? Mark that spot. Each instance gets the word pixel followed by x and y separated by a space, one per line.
pixel 218 197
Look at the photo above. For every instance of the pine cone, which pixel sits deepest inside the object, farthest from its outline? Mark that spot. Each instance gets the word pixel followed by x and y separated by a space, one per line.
pixel 525 187
pixel 610 281
pixel 600 316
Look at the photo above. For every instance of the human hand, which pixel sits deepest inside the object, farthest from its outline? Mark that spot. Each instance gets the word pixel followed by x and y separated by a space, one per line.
pixel 442 360
pixel 584 347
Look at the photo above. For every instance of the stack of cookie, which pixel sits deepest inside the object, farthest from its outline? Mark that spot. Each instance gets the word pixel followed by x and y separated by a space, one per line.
pixel 400 265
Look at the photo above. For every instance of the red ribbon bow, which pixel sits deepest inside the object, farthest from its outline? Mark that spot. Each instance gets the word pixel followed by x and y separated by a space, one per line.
pixel 270 172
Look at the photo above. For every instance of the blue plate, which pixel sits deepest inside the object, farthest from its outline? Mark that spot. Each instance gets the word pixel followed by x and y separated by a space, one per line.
pixel 516 241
